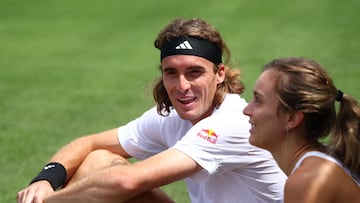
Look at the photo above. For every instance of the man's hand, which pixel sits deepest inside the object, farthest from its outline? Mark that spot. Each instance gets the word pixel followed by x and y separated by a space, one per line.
pixel 35 193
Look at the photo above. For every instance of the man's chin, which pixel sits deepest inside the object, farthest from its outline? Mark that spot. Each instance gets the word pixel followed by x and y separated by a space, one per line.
pixel 187 115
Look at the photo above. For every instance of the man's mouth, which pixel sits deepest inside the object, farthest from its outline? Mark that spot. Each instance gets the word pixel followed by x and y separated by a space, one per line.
pixel 186 100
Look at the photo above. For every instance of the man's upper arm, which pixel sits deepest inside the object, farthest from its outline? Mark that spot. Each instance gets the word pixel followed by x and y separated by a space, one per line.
pixel 109 140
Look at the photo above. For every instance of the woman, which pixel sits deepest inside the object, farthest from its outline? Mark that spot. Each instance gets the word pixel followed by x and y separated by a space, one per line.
pixel 292 111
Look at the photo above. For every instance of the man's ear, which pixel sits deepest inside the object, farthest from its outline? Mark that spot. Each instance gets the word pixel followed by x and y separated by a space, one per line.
pixel 294 120
pixel 220 73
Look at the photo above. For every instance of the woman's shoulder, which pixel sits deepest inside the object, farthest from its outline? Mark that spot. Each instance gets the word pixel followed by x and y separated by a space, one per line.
pixel 319 180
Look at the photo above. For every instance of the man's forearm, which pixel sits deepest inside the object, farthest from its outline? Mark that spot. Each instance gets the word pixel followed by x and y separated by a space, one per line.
pixel 74 153
pixel 100 187
pixel 123 182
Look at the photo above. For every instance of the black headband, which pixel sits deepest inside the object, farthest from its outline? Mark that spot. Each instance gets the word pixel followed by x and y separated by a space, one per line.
pixel 185 45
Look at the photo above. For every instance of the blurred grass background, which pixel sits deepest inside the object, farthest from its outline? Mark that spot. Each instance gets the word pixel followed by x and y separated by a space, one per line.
pixel 70 68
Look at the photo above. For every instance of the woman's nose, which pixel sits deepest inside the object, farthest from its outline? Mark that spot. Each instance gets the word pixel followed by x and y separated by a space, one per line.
pixel 247 110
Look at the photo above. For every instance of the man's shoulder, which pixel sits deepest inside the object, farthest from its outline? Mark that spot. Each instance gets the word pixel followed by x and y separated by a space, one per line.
pixel 232 102
pixel 171 120
pixel 229 120
pixel 231 108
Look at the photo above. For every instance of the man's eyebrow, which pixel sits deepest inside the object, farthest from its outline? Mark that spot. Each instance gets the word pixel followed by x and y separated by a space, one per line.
pixel 196 67
pixel 168 68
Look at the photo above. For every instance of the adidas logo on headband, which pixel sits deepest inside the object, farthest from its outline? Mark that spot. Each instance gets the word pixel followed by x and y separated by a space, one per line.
pixel 184 45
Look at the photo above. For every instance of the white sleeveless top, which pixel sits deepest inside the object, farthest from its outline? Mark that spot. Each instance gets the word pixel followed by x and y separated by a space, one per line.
pixel 329 158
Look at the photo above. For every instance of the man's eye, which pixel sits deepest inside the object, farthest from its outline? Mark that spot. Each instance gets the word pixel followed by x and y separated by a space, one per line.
pixel 195 72
pixel 169 72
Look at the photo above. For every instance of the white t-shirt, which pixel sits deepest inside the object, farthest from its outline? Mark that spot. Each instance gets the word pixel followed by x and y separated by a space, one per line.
pixel 233 170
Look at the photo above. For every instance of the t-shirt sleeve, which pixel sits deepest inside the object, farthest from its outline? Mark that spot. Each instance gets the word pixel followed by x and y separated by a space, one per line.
pixel 141 137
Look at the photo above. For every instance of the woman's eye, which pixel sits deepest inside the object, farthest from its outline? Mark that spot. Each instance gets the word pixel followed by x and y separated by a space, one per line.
pixel 257 99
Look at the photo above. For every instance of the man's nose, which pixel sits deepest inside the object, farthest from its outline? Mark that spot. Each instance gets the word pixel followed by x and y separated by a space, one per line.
pixel 183 83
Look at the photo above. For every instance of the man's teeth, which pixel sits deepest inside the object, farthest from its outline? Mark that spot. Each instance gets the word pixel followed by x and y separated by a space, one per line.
pixel 186 99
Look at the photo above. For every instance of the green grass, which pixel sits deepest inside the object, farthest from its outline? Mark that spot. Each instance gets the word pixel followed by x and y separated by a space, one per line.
pixel 80 67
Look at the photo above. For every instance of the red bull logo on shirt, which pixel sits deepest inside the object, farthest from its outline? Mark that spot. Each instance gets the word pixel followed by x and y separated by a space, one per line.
pixel 208 135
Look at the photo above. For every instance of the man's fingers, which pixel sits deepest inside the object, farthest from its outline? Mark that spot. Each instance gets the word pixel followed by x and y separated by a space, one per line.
pixel 35 193
pixel 25 196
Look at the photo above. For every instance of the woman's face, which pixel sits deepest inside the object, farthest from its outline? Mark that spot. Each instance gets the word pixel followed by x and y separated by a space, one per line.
pixel 267 122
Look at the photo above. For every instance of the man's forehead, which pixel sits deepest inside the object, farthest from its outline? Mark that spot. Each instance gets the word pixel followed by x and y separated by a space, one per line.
pixel 185 61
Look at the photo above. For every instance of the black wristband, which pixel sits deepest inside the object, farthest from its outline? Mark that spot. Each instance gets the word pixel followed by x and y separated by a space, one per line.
pixel 54 173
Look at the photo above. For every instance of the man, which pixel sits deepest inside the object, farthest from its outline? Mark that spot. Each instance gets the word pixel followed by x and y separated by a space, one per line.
pixel 197 131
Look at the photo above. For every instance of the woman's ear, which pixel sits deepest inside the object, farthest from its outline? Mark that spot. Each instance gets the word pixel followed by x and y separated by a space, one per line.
pixel 294 120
